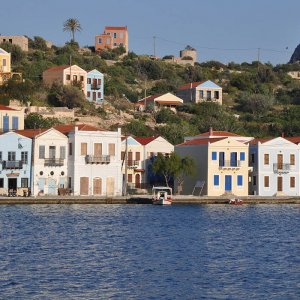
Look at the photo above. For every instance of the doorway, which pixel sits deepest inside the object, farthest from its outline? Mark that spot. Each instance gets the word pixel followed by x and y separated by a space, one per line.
pixel 12 184
pixel 279 184
pixel 137 181
pixel 228 183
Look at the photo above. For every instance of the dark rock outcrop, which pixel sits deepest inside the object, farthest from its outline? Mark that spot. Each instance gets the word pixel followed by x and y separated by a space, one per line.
pixel 296 55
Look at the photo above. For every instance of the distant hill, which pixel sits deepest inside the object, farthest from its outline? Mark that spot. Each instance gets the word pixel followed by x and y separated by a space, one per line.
pixel 296 55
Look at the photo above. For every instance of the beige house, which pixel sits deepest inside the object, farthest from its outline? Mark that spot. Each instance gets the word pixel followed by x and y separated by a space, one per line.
pixel 5 67
pixel 294 74
pixel 221 166
pixel 156 102
pixel 11 119
pixel 66 75
pixel 197 92
pixel 19 40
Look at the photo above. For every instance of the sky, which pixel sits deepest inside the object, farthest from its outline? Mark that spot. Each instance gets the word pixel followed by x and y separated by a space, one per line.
pixel 221 30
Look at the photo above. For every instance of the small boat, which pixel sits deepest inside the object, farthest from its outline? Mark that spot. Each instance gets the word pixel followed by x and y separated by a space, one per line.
pixel 161 195
pixel 235 201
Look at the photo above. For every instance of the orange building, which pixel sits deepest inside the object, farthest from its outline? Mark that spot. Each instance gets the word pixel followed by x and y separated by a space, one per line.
pixel 111 38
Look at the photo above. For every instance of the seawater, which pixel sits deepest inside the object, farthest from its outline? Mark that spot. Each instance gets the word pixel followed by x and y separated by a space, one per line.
pixel 150 252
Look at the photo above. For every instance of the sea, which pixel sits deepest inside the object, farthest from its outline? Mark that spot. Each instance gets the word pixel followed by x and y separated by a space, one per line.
pixel 149 252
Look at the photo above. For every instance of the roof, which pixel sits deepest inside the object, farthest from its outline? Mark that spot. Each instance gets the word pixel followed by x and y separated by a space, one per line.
pixel 190 85
pixel 201 141
pixel 71 127
pixel 294 139
pixel 218 133
pixel 209 84
pixel 166 99
pixel 145 140
pixel 30 133
pixel 3 107
pixel 2 51
pixel 115 28
pixel 259 140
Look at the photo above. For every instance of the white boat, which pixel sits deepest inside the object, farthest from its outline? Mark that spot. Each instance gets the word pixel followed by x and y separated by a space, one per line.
pixel 161 195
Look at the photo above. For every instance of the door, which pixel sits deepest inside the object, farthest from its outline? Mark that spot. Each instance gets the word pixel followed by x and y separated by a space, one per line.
pixel 97 186
pixel 52 152
pixel 97 149
pixel 12 184
pixel 94 96
pixel 233 159
pixel 221 159
pixel 51 186
pixel 110 186
pixel 129 160
pixel 41 184
pixel 137 181
pixel 279 161
pixel 279 184
pixel 228 183
pixel 84 185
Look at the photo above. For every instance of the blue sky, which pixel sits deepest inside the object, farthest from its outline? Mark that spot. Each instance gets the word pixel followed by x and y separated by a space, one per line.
pixel 223 30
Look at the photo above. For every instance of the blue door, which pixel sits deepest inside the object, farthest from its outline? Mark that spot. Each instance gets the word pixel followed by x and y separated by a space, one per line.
pixel 5 123
pixel 233 159
pixel 51 187
pixel 228 183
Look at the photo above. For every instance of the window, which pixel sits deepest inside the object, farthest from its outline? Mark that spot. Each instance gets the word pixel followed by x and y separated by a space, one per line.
pixel 214 155
pixel 89 81
pixel 4 62
pixel 240 180
pixel 292 182
pixel 11 156
pixel 252 158
pixel 70 149
pixel 216 180
pixel 222 159
pixel 68 77
pixel 74 77
pixel 24 182
pixel 24 157
pixel 99 81
pixel 62 152
pixel 292 159
pixel 81 78
pixel 233 159
pixel 69 182
pixel 266 158
pixel 115 44
pixel 208 95
pixel 15 123
pixel 266 181
pixel 201 94
pixel 88 94
pixel 99 94
pixel 115 34
pixel 1 182
pixel 129 177
pixel 216 94
pixel 99 41
pixel 83 150
pixel 98 149
pixel 0 156
pixel 111 149
pixel 254 180
pixel 137 156
pixel 52 151
pixel 242 156
pixel 5 123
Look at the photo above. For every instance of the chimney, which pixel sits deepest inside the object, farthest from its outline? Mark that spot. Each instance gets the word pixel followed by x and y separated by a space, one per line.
pixel 211 132
pixel 282 134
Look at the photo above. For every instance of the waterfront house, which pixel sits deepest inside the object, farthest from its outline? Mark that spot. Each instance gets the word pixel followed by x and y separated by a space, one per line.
pixel 66 75
pixel 156 102
pixel 112 37
pixel 197 92
pixel 11 119
pixel 49 164
pixel 95 86
pixel 275 163
pixel 94 160
pixel 221 166
pixel 15 163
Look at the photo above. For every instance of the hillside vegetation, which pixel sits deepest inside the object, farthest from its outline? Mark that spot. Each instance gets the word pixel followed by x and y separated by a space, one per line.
pixel 259 99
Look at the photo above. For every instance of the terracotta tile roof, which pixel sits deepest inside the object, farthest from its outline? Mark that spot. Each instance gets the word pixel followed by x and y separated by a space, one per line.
pixel 3 107
pixel 57 68
pixel 30 133
pixel 190 85
pixel 115 28
pixel 149 98
pixel 294 139
pixel 218 133
pixel 71 127
pixel 261 140
pixel 201 141
pixel 145 140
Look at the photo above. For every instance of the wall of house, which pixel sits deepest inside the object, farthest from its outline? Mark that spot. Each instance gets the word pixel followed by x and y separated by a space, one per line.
pixel 99 91
pixel 5 66
pixel 49 77
pixel 205 91
pixel 18 40
pixel 75 71
pixel 187 96
pixel 14 142
pixel 10 114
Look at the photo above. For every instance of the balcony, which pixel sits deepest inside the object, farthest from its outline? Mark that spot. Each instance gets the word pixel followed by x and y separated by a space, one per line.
pixel 99 159
pixel 53 162
pixel 281 168
pixel 133 163
pixel 95 86
pixel 229 164
pixel 12 164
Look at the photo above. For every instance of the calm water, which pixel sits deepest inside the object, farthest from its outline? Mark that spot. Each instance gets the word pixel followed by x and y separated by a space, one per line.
pixel 150 252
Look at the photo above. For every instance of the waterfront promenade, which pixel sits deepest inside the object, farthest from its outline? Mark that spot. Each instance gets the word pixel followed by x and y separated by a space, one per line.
pixel 144 199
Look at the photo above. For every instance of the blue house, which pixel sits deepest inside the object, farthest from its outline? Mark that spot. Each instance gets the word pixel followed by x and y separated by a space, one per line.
pixel 15 163
pixel 95 86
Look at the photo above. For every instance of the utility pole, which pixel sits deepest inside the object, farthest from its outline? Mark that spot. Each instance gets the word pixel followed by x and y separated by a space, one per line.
pixel 154 48
pixel 70 69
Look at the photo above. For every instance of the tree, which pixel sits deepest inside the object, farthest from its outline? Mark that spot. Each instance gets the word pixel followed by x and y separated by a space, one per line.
pixel 72 25
pixel 173 166
pixel 35 121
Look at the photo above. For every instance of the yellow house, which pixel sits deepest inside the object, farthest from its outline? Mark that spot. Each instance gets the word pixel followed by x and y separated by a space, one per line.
pixel 11 119
pixel 221 166
pixel 5 66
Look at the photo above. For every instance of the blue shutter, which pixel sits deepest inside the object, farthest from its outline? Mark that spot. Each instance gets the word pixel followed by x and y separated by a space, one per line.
pixel 242 156
pixel 221 159
pixel 15 123
pixel 233 159
pixel 240 180
pixel 214 155
pixel 216 179
pixel 5 123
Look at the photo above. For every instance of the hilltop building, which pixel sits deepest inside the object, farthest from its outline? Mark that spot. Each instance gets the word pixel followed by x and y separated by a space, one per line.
pixel 112 37
pixel 19 40
pixel 188 56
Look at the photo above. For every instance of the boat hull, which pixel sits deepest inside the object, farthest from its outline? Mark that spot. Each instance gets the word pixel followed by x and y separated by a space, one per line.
pixel 162 202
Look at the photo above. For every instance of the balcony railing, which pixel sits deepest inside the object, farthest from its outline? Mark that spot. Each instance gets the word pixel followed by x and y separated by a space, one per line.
pixel 95 86
pixel 53 162
pixel 229 163
pixel 133 163
pixel 99 159
pixel 283 168
pixel 12 164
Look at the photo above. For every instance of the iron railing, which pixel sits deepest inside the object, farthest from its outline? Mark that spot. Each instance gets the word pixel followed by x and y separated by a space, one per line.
pixel 53 162
pixel 12 164
pixel 229 163
pixel 97 159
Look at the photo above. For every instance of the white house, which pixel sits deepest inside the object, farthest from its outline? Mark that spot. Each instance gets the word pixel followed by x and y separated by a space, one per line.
pixel 94 160
pixel 275 165
pixel 49 164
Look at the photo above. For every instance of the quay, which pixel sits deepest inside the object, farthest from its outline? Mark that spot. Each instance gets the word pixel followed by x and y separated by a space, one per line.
pixel 144 199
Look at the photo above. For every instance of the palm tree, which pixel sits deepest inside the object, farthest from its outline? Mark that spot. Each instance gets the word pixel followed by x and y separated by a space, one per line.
pixel 72 25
